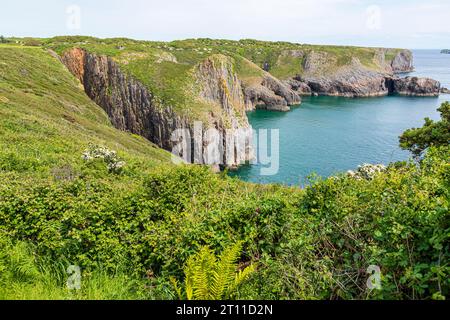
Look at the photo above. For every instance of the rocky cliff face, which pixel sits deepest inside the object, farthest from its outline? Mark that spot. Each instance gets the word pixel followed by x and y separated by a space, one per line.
pixel 271 94
pixel 403 62
pixel 129 105
pixel 132 107
pixel 413 86
pixel 219 85
pixel 357 80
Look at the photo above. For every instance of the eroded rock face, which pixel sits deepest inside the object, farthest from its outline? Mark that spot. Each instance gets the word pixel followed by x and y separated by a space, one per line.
pixel 298 86
pixel 403 62
pixel 349 83
pixel 271 94
pixel 413 86
pixel 128 103
pixel 132 107
pixel 220 85
pixel 356 80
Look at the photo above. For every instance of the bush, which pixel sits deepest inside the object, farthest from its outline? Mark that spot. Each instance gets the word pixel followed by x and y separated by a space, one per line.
pixel 315 243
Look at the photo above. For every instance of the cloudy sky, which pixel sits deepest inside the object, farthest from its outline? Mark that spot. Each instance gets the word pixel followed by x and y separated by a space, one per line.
pixel 399 23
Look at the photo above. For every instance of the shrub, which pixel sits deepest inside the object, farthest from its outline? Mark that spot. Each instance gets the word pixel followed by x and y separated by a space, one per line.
pixel 113 162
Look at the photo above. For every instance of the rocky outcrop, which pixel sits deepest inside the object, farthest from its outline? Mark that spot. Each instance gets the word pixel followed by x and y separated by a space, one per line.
pixel 413 86
pixel 298 86
pixel 445 91
pixel 321 76
pixel 220 85
pixel 349 83
pixel 128 103
pixel 132 107
pixel 357 80
pixel 403 62
pixel 271 94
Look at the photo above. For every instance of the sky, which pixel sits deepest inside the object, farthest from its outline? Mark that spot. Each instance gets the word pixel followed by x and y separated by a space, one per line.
pixel 409 24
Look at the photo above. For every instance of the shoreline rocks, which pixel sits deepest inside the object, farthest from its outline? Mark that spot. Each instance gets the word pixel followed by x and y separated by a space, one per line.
pixel 414 86
pixel 445 91
pixel 271 94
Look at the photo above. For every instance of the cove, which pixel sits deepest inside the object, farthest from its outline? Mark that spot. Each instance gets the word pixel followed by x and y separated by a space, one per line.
pixel 329 135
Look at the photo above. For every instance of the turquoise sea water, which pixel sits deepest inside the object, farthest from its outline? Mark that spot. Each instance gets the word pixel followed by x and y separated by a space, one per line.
pixel 327 135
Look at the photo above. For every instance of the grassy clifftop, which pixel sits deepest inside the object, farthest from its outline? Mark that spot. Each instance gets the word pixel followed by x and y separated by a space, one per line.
pixel 167 68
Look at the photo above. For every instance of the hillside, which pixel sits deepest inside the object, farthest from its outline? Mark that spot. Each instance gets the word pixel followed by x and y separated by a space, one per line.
pixel 132 228
pixel 47 121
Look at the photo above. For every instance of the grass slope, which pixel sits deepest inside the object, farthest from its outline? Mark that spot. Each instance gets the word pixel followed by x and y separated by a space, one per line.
pixel 46 119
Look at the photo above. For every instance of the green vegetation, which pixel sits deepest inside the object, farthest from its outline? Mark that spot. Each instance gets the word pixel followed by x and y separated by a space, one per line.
pixel 133 230
pixel 431 134
pixel 167 68
pixel 209 278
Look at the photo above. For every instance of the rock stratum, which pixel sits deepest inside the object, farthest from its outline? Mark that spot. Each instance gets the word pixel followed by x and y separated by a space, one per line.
pixel 154 88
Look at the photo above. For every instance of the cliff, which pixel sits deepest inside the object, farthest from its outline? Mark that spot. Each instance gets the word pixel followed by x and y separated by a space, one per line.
pixel 132 107
pixel 129 105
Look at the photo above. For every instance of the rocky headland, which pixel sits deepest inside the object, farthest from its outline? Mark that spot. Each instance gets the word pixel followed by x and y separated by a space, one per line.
pixel 152 89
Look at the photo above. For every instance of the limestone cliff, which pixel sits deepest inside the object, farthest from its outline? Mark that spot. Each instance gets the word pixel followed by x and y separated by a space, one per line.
pixel 219 85
pixel 271 94
pixel 132 107
pixel 322 75
pixel 129 105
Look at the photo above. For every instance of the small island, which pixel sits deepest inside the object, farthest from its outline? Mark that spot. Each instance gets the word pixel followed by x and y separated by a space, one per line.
pixel 445 51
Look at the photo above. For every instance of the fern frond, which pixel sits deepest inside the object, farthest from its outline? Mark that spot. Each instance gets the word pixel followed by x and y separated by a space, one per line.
pixel 240 277
pixel 226 269
pixel 210 278
pixel 176 287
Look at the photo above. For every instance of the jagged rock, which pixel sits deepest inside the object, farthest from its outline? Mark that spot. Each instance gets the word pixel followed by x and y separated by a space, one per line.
pixel 300 87
pixel 259 96
pixel 220 85
pixel 413 86
pixel 271 94
pixel 128 103
pixel 281 90
pixel 349 82
pixel 403 62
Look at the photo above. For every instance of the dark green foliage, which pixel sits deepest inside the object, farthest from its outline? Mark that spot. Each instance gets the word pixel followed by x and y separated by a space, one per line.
pixel 431 134
pixel 312 244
